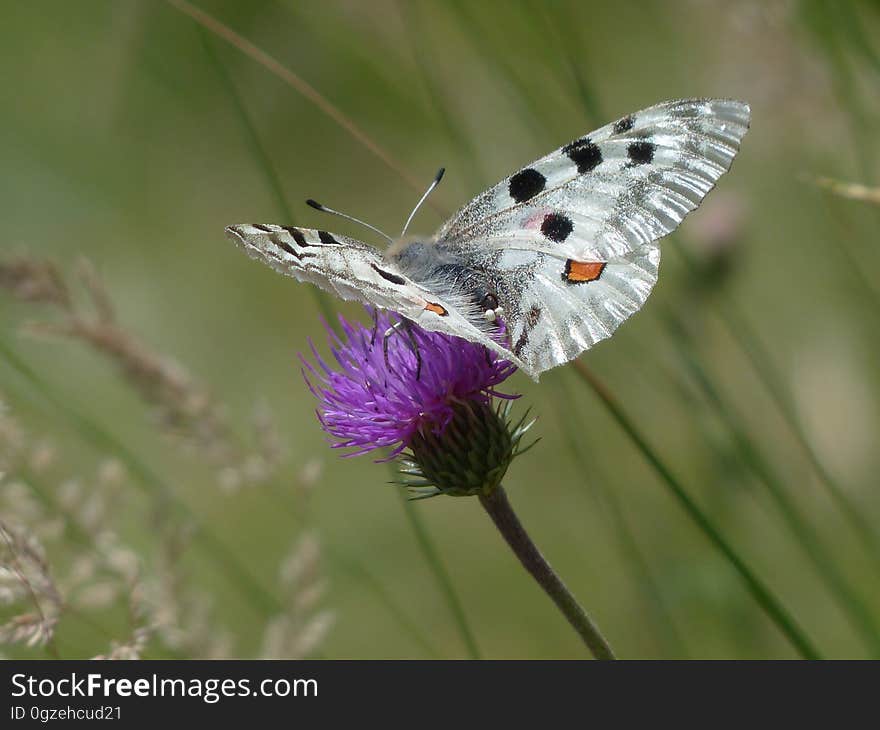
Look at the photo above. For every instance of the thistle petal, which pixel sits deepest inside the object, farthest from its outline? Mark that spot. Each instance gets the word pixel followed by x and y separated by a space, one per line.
pixel 369 402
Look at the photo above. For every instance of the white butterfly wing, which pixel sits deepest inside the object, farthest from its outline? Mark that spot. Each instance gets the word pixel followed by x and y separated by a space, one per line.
pixel 355 271
pixel 575 233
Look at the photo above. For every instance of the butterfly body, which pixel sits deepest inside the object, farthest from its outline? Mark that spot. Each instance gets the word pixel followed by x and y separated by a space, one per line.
pixel 472 276
pixel 552 259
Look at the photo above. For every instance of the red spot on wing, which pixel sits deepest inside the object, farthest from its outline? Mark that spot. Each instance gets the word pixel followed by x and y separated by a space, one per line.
pixel 583 271
pixel 534 221
pixel 436 309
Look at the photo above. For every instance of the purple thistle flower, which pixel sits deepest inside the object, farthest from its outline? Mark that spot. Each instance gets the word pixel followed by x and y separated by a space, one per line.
pixel 368 403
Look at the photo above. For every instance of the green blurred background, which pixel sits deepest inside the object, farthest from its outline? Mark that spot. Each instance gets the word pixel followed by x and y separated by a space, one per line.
pixel 131 137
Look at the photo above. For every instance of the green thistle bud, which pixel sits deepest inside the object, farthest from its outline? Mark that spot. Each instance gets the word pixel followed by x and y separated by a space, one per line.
pixel 471 455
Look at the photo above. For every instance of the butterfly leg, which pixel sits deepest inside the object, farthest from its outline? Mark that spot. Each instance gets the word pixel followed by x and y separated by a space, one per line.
pixel 387 336
pixel 414 345
pixel 376 329
pixel 404 325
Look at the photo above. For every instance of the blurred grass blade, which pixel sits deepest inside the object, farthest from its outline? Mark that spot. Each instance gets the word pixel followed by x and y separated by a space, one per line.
pixel 564 29
pixel 868 291
pixel 273 181
pixel 851 191
pixel 856 610
pixel 761 362
pixel 768 602
pixel 437 567
pixel 573 431
pixel 300 86
pixel 216 550
pixel 471 24
pixel 852 29
pixel 837 34
pixel 412 628
pixel 460 139
pixel 357 570
pixel 751 346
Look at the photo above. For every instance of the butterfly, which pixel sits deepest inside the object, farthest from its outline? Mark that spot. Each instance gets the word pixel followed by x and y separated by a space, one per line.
pixel 551 260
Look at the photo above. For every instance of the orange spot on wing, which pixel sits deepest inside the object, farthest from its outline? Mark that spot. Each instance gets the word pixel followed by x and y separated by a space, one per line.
pixel 436 309
pixel 580 271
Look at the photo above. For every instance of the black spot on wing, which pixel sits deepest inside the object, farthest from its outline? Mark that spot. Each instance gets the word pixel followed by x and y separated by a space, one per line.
pixel 532 317
pixel 284 245
pixel 327 239
pixel 262 227
pixel 526 184
pixel 624 125
pixel 388 276
pixel 641 152
pixel 297 235
pixel 557 227
pixel 583 153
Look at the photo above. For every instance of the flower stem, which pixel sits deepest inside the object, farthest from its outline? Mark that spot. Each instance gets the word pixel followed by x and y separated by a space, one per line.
pixel 760 592
pixel 508 524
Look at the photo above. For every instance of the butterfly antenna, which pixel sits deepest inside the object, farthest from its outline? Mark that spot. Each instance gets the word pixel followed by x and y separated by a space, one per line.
pixel 323 208
pixel 437 178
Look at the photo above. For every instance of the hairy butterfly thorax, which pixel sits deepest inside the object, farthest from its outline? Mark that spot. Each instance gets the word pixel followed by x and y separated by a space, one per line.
pixel 474 283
